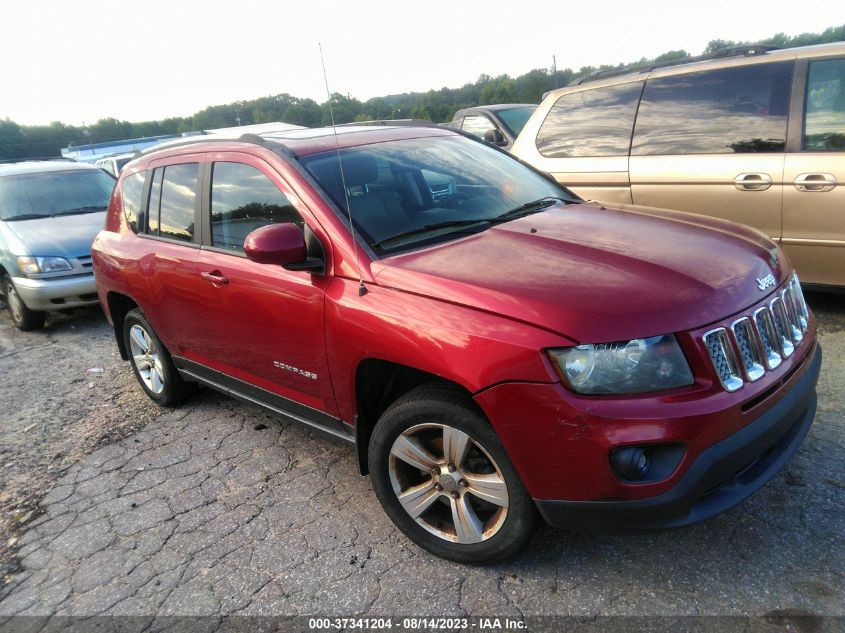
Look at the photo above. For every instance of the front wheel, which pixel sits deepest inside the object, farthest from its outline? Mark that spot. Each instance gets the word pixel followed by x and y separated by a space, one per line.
pixel 446 481
pixel 23 318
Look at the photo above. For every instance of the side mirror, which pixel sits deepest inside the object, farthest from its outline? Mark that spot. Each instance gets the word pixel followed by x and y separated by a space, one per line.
pixel 280 244
pixel 495 136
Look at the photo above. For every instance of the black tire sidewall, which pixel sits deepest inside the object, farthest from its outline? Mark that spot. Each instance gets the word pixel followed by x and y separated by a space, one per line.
pixel 170 395
pixel 445 408
pixel 30 319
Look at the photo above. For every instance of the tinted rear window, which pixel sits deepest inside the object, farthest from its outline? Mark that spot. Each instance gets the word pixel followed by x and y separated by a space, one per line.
pixel 54 193
pixel 594 122
pixel 724 111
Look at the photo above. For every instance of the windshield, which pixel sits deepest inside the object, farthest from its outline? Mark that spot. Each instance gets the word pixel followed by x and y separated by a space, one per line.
pixel 516 118
pixel 46 194
pixel 450 185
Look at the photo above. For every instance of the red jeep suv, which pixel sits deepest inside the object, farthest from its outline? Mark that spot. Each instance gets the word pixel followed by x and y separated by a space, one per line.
pixel 495 348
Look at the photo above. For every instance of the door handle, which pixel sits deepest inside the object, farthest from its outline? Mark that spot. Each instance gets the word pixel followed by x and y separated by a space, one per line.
pixel 215 277
pixel 815 182
pixel 753 182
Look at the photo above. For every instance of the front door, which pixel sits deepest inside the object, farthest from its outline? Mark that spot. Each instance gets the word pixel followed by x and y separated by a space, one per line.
pixel 261 325
pixel 814 179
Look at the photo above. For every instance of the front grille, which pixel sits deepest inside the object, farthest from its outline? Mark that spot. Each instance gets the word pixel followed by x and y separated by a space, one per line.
pixel 759 342
pixel 85 262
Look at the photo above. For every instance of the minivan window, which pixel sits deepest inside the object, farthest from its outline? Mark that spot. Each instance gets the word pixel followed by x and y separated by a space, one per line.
pixel 178 200
pixel 52 193
pixel 133 190
pixel 242 200
pixel 595 122
pixel 730 110
pixel 824 119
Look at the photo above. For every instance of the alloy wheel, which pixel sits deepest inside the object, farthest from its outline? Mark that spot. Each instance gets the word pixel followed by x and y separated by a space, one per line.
pixel 448 483
pixel 15 303
pixel 147 359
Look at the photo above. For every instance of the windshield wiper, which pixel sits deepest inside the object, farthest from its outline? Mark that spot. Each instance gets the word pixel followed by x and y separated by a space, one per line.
pixel 27 216
pixel 529 207
pixel 89 209
pixel 432 227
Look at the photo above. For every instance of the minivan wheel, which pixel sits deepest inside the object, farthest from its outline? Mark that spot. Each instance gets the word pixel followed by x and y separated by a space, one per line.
pixel 23 318
pixel 446 481
pixel 151 362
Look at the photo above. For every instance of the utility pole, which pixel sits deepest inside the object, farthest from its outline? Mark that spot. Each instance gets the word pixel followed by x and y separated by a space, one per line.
pixel 238 116
pixel 554 70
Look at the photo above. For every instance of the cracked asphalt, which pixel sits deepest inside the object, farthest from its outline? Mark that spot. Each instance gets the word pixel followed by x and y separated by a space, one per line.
pixel 218 509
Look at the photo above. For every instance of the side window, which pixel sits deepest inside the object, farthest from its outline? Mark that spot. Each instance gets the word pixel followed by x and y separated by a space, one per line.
pixel 477 125
pixel 172 201
pixel 824 114
pixel 132 191
pixel 596 122
pixel 155 202
pixel 730 110
pixel 242 200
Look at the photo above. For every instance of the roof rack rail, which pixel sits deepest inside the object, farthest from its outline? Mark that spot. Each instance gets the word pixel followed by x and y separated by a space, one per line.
pixel 748 50
pixel 36 159
pixel 376 122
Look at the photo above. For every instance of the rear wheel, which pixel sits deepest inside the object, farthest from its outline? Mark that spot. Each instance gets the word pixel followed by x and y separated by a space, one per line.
pixel 151 362
pixel 23 318
pixel 445 479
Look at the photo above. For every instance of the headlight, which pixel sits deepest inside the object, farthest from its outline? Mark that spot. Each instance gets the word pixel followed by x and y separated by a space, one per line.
pixel 635 366
pixel 31 265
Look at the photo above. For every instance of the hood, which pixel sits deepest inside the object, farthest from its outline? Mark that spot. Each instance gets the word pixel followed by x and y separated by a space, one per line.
pixel 596 274
pixel 62 236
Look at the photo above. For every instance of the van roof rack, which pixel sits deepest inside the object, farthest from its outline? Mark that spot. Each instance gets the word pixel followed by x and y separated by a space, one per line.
pixel 749 50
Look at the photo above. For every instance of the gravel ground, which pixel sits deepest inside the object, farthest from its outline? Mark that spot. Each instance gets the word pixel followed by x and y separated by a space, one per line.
pixel 112 505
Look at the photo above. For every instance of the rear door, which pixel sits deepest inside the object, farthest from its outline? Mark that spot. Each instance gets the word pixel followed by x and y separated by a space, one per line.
pixel 814 173
pixel 169 221
pixel 584 141
pixel 713 142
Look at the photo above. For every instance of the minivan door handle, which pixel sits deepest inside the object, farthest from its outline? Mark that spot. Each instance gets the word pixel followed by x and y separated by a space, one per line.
pixel 215 277
pixel 815 182
pixel 753 182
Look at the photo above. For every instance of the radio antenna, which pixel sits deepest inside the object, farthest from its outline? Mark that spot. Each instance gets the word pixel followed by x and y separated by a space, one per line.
pixel 362 289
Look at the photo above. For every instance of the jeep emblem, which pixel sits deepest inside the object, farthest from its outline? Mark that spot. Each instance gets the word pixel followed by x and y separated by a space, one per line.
pixel 765 282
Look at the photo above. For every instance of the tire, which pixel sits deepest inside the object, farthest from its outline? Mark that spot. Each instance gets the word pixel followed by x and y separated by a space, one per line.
pixel 23 318
pixel 453 519
pixel 151 362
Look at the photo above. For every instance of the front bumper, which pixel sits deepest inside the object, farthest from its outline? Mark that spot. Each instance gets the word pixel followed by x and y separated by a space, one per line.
pixel 722 475
pixel 57 293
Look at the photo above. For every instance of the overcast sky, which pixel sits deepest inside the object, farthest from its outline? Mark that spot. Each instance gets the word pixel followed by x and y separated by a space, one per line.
pixel 82 60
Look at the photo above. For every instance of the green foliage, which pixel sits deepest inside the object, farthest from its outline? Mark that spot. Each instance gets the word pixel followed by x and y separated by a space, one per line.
pixel 18 141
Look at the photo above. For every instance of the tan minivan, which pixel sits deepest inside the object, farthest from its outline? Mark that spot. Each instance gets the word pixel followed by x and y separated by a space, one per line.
pixel 755 136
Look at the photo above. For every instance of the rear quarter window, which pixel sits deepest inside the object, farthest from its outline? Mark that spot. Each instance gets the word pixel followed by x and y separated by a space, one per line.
pixel 593 122
pixel 132 190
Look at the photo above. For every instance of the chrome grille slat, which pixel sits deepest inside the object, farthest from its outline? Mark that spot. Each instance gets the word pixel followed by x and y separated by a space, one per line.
pixel 750 348
pixel 782 326
pixel 765 327
pixel 724 359
pixel 800 302
pixel 788 299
